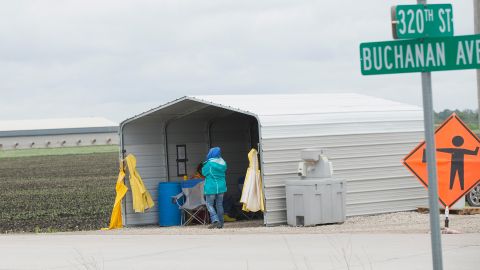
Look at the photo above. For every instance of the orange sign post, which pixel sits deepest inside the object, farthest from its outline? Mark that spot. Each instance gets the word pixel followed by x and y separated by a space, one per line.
pixel 458 160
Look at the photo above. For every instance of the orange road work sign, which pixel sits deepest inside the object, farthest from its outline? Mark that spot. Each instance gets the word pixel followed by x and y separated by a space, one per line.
pixel 458 160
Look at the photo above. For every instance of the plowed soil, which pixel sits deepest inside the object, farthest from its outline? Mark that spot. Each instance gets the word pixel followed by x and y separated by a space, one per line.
pixel 57 192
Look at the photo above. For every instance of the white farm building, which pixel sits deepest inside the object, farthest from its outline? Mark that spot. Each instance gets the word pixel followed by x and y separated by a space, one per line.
pixel 64 132
pixel 364 137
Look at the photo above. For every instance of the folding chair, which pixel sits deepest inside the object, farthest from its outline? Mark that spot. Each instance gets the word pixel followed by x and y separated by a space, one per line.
pixel 194 205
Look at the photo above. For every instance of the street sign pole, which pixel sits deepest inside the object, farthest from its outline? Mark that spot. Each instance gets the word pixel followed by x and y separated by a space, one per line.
pixel 432 170
pixel 476 19
pixel 432 167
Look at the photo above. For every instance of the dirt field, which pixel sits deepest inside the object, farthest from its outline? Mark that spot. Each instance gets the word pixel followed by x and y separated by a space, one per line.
pixel 57 192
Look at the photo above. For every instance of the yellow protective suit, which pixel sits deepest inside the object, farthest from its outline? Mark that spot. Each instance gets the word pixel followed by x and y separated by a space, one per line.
pixel 252 192
pixel 121 189
pixel 142 199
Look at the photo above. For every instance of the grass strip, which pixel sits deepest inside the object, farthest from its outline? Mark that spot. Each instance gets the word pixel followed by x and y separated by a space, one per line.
pixel 58 151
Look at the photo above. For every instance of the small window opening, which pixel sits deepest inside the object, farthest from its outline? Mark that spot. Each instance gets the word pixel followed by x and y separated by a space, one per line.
pixel 182 159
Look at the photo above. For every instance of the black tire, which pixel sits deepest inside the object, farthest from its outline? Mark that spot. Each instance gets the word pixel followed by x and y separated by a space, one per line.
pixel 473 197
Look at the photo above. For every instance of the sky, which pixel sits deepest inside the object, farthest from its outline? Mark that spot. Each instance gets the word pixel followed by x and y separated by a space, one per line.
pixel 117 58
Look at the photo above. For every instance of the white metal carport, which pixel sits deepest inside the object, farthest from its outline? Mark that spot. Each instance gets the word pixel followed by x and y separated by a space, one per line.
pixel 364 137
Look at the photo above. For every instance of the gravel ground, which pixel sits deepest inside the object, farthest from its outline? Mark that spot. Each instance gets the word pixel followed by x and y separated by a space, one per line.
pixel 401 222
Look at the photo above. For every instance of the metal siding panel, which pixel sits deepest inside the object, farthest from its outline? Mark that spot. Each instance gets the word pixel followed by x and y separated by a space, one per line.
pixel 384 195
pixel 141 139
pixel 146 149
pixel 277 204
pixel 271 181
pixel 277 192
pixel 391 182
pixel 334 152
pixel 385 206
pixel 293 130
pixel 193 148
pixel 356 183
pixel 372 173
pixel 344 117
pixel 371 164
pixel 149 161
pixel 273 218
pixel 340 141
pixel 144 138
pixel 193 136
pixel 147 218
pixel 290 167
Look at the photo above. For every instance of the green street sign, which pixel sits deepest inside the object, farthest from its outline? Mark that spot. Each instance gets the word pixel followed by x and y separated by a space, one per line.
pixel 420 55
pixel 419 21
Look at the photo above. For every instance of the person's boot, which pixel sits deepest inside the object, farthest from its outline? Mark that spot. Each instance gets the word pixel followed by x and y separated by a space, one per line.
pixel 214 225
pixel 227 218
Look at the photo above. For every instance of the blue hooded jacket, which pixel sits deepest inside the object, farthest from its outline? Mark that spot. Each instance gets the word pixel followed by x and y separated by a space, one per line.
pixel 214 171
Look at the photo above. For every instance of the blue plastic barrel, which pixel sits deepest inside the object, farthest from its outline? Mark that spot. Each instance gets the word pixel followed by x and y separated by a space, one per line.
pixel 168 211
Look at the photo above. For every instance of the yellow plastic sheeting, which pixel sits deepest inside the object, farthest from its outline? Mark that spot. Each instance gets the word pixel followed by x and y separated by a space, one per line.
pixel 142 199
pixel 121 189
pixel 252 192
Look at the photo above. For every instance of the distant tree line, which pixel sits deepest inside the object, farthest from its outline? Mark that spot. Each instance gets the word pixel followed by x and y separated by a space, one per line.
pixel 470 117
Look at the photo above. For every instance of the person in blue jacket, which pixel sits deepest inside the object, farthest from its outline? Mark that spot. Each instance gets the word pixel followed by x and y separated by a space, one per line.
pixel 215 185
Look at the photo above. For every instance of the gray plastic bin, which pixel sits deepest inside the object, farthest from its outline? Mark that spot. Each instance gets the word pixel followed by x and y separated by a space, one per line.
pixel 311 202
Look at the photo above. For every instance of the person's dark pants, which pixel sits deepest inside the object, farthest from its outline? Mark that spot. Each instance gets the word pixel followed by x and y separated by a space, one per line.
pixel 228 204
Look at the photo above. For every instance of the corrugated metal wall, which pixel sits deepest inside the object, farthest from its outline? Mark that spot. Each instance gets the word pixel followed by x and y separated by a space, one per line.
pixel 366 151
pixel 145 139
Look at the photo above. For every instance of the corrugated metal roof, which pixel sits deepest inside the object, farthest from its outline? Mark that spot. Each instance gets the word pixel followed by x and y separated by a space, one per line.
pixel 286 108
pixel 298 104
pixel 59 123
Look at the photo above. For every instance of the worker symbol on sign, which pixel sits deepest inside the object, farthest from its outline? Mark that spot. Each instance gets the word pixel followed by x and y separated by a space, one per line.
pixel 457 161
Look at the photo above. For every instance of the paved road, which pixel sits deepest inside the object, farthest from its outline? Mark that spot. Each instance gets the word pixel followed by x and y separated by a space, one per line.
pixel 230 252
